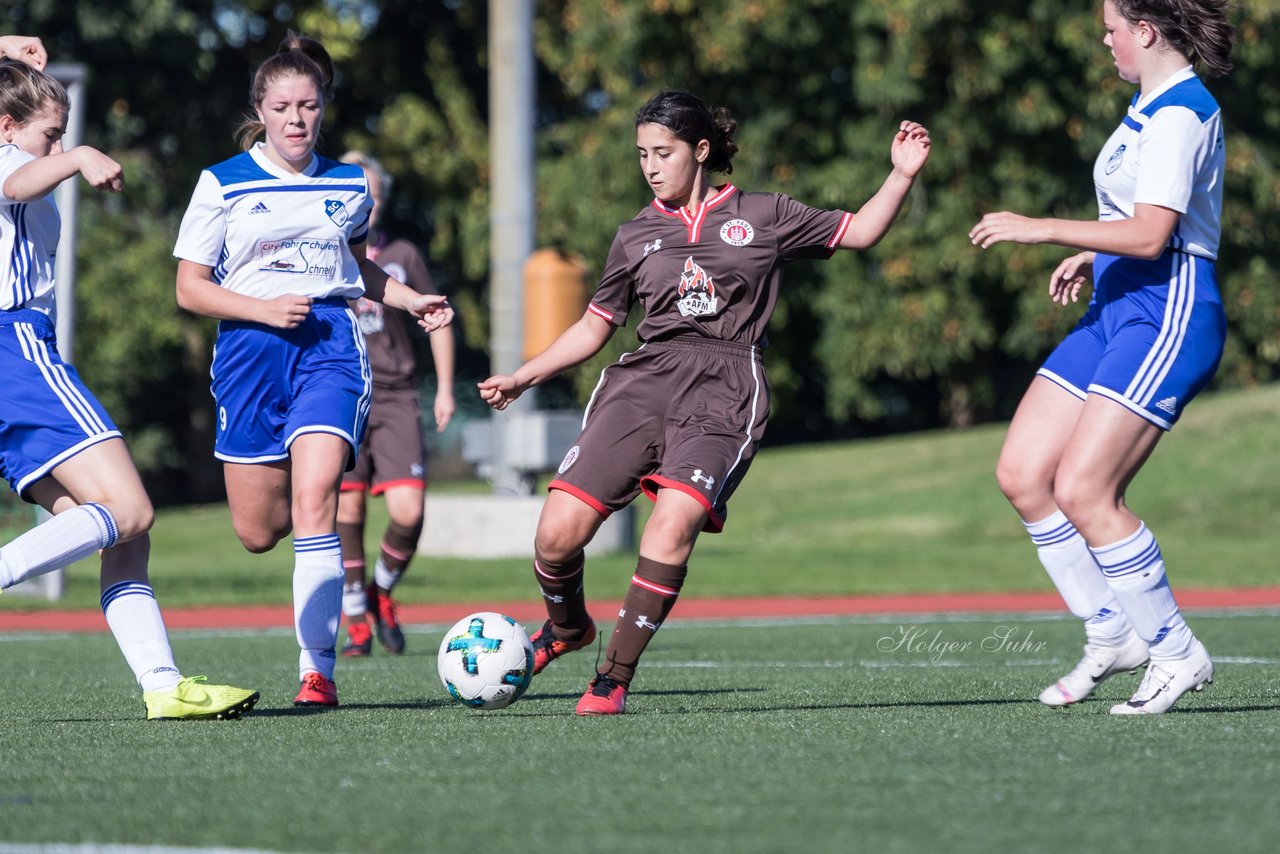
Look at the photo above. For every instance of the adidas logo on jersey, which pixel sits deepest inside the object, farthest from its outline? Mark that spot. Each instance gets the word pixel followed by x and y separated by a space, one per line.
pixel 260 207
pixel 1169 405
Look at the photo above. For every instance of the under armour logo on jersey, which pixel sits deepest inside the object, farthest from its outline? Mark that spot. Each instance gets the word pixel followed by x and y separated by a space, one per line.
pixel 652 247
pixel 642 622
pixel 1169 405
pixel 260 207
pixel 699 477
pixel 336 211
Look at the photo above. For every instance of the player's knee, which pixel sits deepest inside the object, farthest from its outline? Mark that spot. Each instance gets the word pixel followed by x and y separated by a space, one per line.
pixel 555 544
pixel 1022 485
pixel 1079 499
pixel 257 539
pixel 133 518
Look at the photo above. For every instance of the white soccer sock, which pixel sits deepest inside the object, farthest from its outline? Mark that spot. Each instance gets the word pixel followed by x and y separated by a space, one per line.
pixel 1072 568
pixel 354 603
pixel 134 617
pixel 66 538
pixel 1134 570
pixel 317 601
pixel 384 577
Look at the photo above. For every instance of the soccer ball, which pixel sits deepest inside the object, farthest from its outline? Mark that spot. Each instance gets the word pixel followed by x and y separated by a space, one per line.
pixel 486 661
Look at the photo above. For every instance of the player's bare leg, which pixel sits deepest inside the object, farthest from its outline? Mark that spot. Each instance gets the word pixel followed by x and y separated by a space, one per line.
pixel 1106 451
pixel 1028 469
pixel 258 497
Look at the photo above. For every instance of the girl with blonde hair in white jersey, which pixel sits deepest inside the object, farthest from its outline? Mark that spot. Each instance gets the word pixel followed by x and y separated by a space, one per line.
pixel 1150 341
pixel 58 447
pixel 273 245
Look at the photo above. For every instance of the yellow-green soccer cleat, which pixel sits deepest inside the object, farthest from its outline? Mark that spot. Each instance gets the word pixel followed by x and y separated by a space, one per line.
pixel 195 700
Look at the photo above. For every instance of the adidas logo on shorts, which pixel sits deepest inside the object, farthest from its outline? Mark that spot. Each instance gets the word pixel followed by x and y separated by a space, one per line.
pixel 1169 405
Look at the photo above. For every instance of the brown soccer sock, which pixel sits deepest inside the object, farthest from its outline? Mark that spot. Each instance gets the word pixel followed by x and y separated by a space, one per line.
pixel 561 585
pixel 653 592
pixel 351 539
pixel 398 546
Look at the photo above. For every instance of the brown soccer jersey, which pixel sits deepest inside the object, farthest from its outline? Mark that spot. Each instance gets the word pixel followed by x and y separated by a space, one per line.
pixel 713 274
pixel 687 410
pixel 387 332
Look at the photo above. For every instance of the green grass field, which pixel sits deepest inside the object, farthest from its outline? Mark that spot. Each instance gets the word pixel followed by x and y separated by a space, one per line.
pixel 815 736
pixel 895 515
pixel 821 736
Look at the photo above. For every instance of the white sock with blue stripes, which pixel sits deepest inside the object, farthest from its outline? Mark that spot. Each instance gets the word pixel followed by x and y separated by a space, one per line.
pixel 1134 569
pixel 317 601
pixel 1066 557
pixel 134 618
pixel 70 536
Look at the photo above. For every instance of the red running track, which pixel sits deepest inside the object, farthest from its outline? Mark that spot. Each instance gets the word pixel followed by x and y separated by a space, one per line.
pixel 256 617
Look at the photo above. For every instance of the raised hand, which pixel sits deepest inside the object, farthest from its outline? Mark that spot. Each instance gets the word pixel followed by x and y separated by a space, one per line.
pixel 910 148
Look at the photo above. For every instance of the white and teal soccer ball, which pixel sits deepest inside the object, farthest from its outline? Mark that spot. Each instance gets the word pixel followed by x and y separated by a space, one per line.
pixel 486 661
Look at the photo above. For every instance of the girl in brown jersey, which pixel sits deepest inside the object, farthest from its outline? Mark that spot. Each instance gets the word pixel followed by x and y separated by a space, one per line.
pixel 681 417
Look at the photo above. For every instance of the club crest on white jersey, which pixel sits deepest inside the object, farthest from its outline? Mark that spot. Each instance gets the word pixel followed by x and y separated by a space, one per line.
pixel 336 211
pixel 697 292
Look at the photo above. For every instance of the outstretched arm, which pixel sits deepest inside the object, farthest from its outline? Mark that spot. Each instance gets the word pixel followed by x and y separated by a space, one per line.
pixel 1143 235
pixel 908 154
pixel 574 346
pixel 432 310
pixel 34 180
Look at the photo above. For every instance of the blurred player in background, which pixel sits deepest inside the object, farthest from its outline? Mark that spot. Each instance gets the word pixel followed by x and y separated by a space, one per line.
pixel 58 446
pixel 392 460
pixel 1149 342
pixel 680 418
pixel 273 245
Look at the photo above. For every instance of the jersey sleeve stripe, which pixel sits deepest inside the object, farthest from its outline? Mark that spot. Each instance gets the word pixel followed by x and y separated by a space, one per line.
pixel 600 312
pixel 845 222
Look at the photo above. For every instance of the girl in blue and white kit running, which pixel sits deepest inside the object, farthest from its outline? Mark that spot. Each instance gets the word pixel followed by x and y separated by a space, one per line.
pixel 273 245
pixel 58 447
pixel 1149 342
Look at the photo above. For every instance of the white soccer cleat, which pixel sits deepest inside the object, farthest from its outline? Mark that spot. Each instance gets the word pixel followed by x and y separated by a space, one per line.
pixel 1168 680
pixel 1098 664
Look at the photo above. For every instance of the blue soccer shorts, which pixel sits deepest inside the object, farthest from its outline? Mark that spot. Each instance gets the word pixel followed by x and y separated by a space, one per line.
pixel 1151 339
pixel 47 415
pixel 273 385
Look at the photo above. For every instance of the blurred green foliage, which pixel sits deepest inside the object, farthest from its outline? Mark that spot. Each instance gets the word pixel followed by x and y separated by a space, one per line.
pixel 923 330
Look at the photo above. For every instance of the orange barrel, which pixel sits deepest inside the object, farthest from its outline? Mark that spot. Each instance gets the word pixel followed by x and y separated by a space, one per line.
pixel 555 296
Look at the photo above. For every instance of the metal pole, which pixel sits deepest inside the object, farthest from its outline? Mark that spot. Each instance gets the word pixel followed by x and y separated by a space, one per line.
pixel 67 197
pixel 511 165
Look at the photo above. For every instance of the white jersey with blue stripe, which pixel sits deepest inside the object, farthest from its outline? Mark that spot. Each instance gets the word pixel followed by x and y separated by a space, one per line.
pixel 1168 151
pixel 267 232
pixel 28 243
